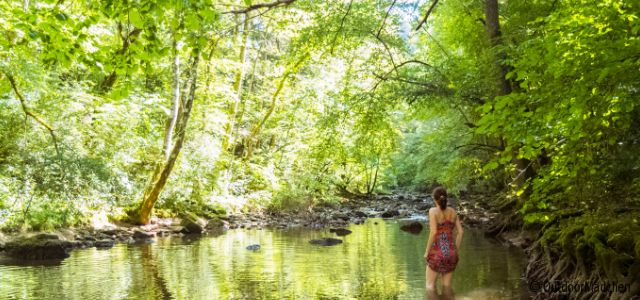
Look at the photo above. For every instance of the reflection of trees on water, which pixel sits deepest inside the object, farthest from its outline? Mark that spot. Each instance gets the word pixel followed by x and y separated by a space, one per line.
pixel 374 262
pixel 446 294
pixel 152 277
pixel 378 290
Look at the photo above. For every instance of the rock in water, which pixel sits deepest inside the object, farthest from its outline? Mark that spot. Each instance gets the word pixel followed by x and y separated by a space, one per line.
pixel 424 207
pixel 340 216
pixel 42 246
pixel 405 215
pixel 141 235
pixel 390 213
pixel 413 228
pixel 325 242
pixel 192 224
pixel 340 231
pixel 176 229
pixel 253 247
pixel 360 214
pixel 104 244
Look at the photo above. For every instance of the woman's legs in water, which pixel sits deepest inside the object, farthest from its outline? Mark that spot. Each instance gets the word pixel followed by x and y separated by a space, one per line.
pixel 432 278
pixel 447 278
pixel 447 293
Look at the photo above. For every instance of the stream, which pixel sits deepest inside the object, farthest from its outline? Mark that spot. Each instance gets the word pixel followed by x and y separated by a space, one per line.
pixel 376 261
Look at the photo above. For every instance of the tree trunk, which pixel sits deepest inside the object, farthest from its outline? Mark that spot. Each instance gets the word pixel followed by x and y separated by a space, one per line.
pixel 144 211
pixel 108 82
pixel 236 85
pixel 256 130
pixel 171 122
pixel 495 36
pixel 375 180
pixel 504 88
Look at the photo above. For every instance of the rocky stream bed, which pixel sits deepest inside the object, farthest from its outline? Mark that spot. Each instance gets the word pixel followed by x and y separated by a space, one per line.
pixel 36 246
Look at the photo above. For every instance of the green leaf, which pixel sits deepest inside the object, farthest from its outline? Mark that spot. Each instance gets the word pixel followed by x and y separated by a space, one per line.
pixel 490 166
pixel 521 74
pixel 509 75
pixel 135 19
pixel 603 73
pixel 62 16
pixel 247 2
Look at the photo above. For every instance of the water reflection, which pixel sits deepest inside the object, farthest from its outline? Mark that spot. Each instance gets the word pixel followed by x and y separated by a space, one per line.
pixel 447 294
pixel 374 262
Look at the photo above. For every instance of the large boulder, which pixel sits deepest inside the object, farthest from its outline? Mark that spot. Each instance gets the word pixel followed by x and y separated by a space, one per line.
pixel 340 231
pixel 192 224
pixel 325 242
pixel 41 246
pixel 413 228
pixel 215 223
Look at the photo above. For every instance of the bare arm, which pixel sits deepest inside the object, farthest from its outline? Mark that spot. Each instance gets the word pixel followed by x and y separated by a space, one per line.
pixel 460 232
pixel 433 225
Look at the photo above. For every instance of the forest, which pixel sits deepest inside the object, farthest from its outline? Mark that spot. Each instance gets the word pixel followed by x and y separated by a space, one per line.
pixel 136 110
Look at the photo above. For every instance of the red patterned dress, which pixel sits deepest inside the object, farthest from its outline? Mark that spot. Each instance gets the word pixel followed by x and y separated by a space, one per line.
pixel 443 256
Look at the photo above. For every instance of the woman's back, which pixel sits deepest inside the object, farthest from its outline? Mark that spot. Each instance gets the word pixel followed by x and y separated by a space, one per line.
pixel 442 251
pixel 443 256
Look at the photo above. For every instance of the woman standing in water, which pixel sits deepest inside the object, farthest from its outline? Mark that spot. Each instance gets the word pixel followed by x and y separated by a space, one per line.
pixel 442 253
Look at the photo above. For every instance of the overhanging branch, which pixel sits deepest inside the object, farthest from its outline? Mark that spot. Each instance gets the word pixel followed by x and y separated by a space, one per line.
pixel 262 5
pixel 27 112
pixel 427 15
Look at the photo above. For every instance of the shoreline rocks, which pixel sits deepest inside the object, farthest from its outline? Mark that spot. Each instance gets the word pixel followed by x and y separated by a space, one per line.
pixel 325 215
pixel 38 247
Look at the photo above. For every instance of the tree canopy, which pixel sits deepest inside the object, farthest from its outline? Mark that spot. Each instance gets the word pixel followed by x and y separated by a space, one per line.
pixel 140 108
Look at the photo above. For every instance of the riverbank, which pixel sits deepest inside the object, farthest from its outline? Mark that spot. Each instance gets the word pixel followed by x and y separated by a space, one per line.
pixel 580 248
pixel 356 210
pixel 547 249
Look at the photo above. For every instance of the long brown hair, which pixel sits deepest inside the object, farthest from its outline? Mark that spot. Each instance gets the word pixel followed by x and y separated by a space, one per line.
pixel 440 197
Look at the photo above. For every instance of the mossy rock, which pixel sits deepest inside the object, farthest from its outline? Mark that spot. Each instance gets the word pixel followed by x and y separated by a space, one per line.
pixel 163 213
pixel 192 223
pixel 214 223
pixel 41 246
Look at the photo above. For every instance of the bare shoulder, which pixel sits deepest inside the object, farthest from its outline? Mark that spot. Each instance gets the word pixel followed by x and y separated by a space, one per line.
pixel 454 214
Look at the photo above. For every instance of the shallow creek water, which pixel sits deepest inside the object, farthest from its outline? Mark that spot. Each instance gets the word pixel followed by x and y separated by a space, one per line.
pixel 374 262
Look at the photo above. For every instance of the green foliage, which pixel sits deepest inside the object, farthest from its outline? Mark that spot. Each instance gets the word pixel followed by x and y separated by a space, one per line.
pixel 304 191
pixel 369 106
